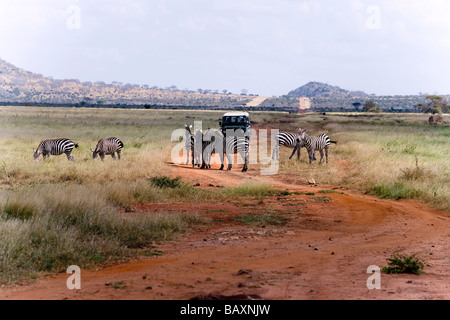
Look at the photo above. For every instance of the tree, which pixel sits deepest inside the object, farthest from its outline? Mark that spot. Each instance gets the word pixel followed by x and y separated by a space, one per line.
pixel 437 104
pixel 356 105
pixel 371 106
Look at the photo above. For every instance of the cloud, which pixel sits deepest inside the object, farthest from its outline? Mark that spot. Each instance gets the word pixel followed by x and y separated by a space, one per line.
pixel 266 46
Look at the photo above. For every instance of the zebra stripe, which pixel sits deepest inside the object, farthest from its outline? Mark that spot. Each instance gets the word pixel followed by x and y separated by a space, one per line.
pixel 289 140
pixel 215 141
pixel 55 147
pixel 108 146
pixel 206 145
pixel 317 143
pixel 234 144
pixel 189 143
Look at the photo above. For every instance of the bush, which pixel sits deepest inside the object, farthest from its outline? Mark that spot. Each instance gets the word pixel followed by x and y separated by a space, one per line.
pixel 166 182
pixel 404 264
pixel 395 191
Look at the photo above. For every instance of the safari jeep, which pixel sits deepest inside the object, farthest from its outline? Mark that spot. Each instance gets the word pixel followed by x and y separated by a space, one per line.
pixel 235 120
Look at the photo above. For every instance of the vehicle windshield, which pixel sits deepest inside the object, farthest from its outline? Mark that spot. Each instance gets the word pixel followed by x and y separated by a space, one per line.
pixel 235 120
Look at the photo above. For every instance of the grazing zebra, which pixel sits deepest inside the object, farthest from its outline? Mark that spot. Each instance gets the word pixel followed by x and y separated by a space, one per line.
pixel 289 140
pixel 107 146
pixel 55 147
pixel 320 142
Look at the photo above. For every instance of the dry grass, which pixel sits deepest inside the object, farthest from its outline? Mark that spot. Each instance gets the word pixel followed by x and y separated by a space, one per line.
pixel 55 213
pixel 381 157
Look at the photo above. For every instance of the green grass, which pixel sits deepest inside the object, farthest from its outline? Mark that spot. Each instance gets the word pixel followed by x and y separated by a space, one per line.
pixel 262 219
pixel 253 190
pixel 396 190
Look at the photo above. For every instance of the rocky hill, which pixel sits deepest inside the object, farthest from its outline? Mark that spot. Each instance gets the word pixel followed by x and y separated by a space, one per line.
pixel 322 90
pixel 18 86
pixel 325 97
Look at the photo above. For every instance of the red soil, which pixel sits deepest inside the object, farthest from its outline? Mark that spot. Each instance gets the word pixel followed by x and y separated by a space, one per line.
pixel 322 252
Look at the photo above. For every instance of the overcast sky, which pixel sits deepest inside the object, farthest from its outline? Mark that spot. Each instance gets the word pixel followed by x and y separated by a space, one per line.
pixel 268 47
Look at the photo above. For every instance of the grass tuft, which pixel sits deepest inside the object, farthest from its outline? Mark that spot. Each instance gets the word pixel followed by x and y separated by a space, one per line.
pixel 396 191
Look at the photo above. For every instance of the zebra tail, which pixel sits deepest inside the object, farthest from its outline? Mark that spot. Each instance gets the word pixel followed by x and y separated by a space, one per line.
pixel 76 145
pixel 335 142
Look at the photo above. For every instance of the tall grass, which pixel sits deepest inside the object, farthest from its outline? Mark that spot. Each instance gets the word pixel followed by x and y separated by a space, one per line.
pixel 56 213
pixel 51 227
pixel 391 156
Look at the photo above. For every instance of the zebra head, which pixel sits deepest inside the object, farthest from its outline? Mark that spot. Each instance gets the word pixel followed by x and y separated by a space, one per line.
pixel 36 154
pixel 95 153
pixel 188 129
pixel 301 135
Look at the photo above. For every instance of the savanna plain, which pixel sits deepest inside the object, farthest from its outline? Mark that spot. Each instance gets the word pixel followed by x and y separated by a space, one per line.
pixel 147 228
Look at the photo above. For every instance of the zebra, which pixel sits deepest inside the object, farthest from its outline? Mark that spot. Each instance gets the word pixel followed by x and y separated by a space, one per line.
pixel 55 147
pixel 206 144
pixel 107 146
pixel 236 144
pixel 215 141
pixel 320 142
pixel 289 140
pixel 189 143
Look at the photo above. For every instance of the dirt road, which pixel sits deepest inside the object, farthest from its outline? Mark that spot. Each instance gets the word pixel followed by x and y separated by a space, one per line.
pixel 321 252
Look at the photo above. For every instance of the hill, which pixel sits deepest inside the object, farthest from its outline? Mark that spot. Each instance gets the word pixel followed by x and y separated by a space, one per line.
pixel 318 89
pixel 21 87
pixel 324 97
pixel 18 86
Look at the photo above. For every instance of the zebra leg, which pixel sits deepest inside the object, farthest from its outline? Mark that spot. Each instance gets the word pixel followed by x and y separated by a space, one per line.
pixel 245 157
pixel 298 153
pixel 221 160
pixel 293 152
pixel 321 156
pixel 113 156
pixel 102 156
pixel 275 152
pixel 326 153
pixel 187 150
pixel 70 157
pixel 311 156
pixel 230 161
pixel 118 154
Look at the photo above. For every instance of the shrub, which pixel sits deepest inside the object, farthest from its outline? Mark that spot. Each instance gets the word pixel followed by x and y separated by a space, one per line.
pixel 404 264
pixel 413 174
pixel 166 182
